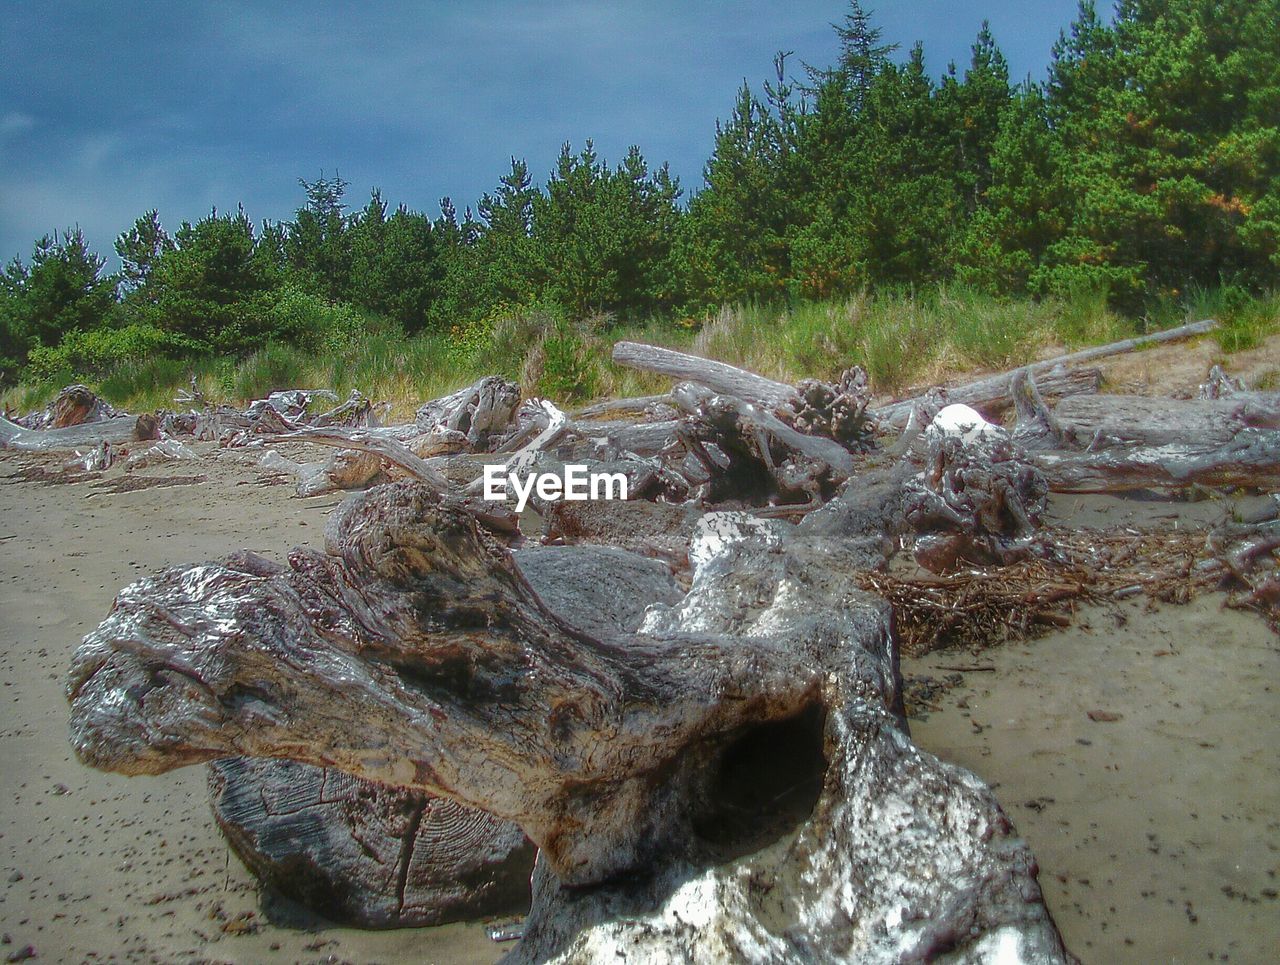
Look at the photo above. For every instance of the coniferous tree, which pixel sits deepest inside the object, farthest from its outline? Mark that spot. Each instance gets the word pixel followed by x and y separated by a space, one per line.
pixel 736 249
pixel 140 248
pixel 63 290
pixel 317 246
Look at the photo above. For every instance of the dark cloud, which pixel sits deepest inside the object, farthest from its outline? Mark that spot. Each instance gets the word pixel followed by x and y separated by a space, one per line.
pixel 108 109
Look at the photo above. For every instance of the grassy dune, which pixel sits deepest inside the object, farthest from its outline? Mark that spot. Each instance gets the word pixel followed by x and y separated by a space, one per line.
pixel 901 340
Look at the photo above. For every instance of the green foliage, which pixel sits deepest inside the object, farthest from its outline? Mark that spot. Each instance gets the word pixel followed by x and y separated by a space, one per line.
pixel 735 247
pixel 271 369
pixel 307 321
pixel 1147 166
pixel 1168 118
pixel 212 287
pixel 88 355
pixel 603 238
pixel 1245 321
pixel 62 291
pixel 568 366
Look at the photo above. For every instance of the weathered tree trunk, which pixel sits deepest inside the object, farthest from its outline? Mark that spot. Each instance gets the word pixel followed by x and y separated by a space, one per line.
pixel 993 397
pixel 1116 443
pixel 381 856
pixel 654 770
pixel 480 411
pixel 86 435
pixel 345 469
pixel 717 376
pixel 75 405
pixel 1251 459
pixel 1130 420
pixel 365 853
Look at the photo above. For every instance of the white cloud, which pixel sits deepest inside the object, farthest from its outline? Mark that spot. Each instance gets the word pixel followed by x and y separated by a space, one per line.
pixel 16 122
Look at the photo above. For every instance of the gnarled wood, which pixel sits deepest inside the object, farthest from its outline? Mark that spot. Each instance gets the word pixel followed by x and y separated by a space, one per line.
pixel 480 411
pixel 653 770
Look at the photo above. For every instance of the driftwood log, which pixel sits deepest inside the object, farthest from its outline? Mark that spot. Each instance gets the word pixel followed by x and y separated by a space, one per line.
pixel 479 411
pixel 364 853
pixel 86 435
pixel 992 395
pixel 1119 443
pixel 655 771
pixel 379 856
pixel 74 405
pixel 718 774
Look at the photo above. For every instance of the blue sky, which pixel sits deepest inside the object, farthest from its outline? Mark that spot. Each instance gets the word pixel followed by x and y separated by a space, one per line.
pixel 108 109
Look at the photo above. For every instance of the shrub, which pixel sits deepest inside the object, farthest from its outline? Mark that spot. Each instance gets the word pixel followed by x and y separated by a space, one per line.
pixel 89 355
pixel 311 323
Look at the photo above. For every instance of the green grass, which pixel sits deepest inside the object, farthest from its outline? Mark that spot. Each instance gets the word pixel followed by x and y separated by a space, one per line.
pixel 902 340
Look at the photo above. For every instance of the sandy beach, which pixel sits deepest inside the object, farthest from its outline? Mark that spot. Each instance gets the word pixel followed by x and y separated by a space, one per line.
pixel 1156 831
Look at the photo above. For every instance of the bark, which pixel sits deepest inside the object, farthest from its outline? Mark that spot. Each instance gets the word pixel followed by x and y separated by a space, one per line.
pixel 656 771
pixel 74 405
pixel 366 854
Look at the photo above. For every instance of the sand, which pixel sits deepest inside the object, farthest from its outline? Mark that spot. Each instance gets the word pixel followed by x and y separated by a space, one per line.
pixel 1157 833
pixel 96 865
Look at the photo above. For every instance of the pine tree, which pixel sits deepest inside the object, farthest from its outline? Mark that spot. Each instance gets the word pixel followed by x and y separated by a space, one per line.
pixel 736 249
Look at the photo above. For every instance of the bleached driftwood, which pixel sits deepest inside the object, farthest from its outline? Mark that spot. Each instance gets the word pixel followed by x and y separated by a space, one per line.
pixel 377 444
pixel 163 452
pixel 978 500
pixel 551 426
pixel 717 376
pixel 616 407
pixel 1130 420
pixel 1250 459
pixel 345 469
pixel 1118 443
pixel 836 410
pixel 991 395
pixel 114 431
pixel 481 411
pixel 653 770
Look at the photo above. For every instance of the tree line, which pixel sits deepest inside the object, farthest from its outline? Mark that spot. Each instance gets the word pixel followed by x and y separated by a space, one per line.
pixel 1145 165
